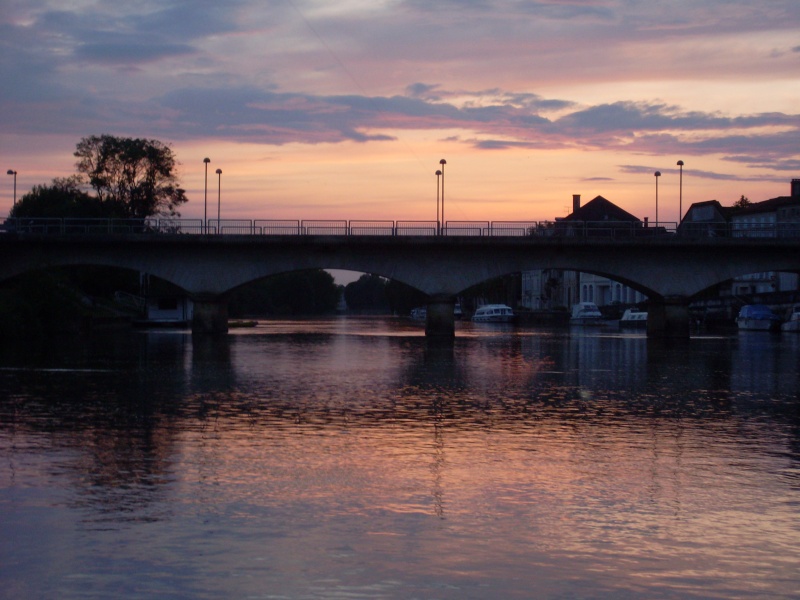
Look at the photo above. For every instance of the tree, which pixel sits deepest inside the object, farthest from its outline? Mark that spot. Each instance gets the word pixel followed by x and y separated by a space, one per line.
pixel 64 198
pixel 500 290
pixel 367 293
pixel 137 174
pixel 311 292
pixel 402 298
pixel 742 202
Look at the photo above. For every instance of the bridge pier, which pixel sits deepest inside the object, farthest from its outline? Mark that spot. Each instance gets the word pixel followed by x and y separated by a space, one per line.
pixel 440 323
pixel 210 315
pixel 668 317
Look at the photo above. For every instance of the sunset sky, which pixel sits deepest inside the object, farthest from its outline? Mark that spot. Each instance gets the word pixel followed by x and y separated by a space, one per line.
pixel 317 109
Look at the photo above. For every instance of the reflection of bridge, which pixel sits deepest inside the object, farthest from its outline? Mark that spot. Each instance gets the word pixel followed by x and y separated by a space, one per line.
pixel 669 269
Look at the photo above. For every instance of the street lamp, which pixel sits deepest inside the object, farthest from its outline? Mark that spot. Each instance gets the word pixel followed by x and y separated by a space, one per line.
pixel 438 227
pixel 443 162
pixel 205 198
pixel 14 173
pixel 680 194
pixel 657 174
pixel 219 195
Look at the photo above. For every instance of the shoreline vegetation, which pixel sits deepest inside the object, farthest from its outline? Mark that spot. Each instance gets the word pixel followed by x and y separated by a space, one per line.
pixel 78 300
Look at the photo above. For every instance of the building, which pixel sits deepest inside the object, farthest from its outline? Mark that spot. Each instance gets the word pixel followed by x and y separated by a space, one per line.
pixel 598 217
pixel 163 304
pixel 164 310
pixel 554 288
pixel 549 289
pixel 706 219
pixel 776 217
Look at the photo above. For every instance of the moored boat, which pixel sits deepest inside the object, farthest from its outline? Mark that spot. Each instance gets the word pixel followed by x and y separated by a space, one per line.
pixel 586 313
pixel 793 322
pixel 493 313
pixel 633 318
pixel 757 317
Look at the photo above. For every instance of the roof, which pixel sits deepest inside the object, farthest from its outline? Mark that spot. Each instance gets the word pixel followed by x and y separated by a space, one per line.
pixel 600 209
pixel 767 206
pixel 729 212
pixel 723 212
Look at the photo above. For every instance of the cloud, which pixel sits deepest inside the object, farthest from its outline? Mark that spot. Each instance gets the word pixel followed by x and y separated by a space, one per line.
pixel 191 19
pixel 500 144
pixel 278 118
pixel 697 173
pixel 466 70
pixel 550 9
pixel 424 91
pixel 130 52
pixel 763 162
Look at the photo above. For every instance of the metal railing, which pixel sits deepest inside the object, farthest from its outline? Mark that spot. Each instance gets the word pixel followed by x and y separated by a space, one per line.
pixel 620 230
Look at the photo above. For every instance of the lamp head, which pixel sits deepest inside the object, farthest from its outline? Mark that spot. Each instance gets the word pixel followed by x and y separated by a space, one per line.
pixel 680 163
pixel 206 160
pixel 11 172
pixel 219 171
pixel 657 173
pixel 443 162
pixel 438 172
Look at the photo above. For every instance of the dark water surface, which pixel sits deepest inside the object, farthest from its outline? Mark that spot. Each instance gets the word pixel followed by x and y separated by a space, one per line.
pixel 347 458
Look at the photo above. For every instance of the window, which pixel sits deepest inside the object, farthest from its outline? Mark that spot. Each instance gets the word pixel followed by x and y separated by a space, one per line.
pixel 167 304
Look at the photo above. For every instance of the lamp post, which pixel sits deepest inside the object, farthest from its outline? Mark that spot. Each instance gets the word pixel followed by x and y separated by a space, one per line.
pixel 438 227
pixel 205 198
pixel 443 162
pixel 680 194
pixel 14 173
pixel 657 174
pixel 219 196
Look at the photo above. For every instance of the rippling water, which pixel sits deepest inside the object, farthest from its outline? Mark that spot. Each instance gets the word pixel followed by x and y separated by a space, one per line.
pixel 348 458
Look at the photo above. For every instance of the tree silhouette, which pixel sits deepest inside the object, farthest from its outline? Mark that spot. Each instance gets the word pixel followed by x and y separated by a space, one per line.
pixel 137 174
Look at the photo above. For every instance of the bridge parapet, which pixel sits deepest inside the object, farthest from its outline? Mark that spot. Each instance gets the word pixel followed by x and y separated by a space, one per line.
pixel 343 227
pixel 261 227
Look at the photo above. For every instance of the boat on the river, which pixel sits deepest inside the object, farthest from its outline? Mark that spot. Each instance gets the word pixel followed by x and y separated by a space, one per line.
pixel 793 322
pixel 757 317
pixel 493 313
pixel 633 318
pixel 586 313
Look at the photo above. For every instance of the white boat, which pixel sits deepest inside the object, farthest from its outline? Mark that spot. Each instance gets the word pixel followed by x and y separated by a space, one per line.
pixel 793 322
pixel 633 318
pixel 757 317
pixel 586 313
pixel 493 313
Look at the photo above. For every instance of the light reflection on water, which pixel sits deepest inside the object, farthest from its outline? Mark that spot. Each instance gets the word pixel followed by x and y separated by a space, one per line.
pixel 350 458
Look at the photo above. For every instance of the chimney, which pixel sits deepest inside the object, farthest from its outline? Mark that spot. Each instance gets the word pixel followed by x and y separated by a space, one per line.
pixel 795 188
pixel 576 201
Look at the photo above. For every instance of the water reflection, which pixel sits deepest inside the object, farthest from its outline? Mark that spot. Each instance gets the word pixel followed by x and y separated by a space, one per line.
pixel 354 458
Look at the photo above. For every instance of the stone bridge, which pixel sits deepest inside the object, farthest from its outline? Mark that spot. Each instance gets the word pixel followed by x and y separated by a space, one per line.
pixel 669 269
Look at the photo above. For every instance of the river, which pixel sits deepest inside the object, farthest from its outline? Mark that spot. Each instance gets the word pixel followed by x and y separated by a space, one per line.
pixel 348 458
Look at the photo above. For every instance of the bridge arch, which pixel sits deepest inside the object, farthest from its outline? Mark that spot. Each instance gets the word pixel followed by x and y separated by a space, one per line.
pixel 669 270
